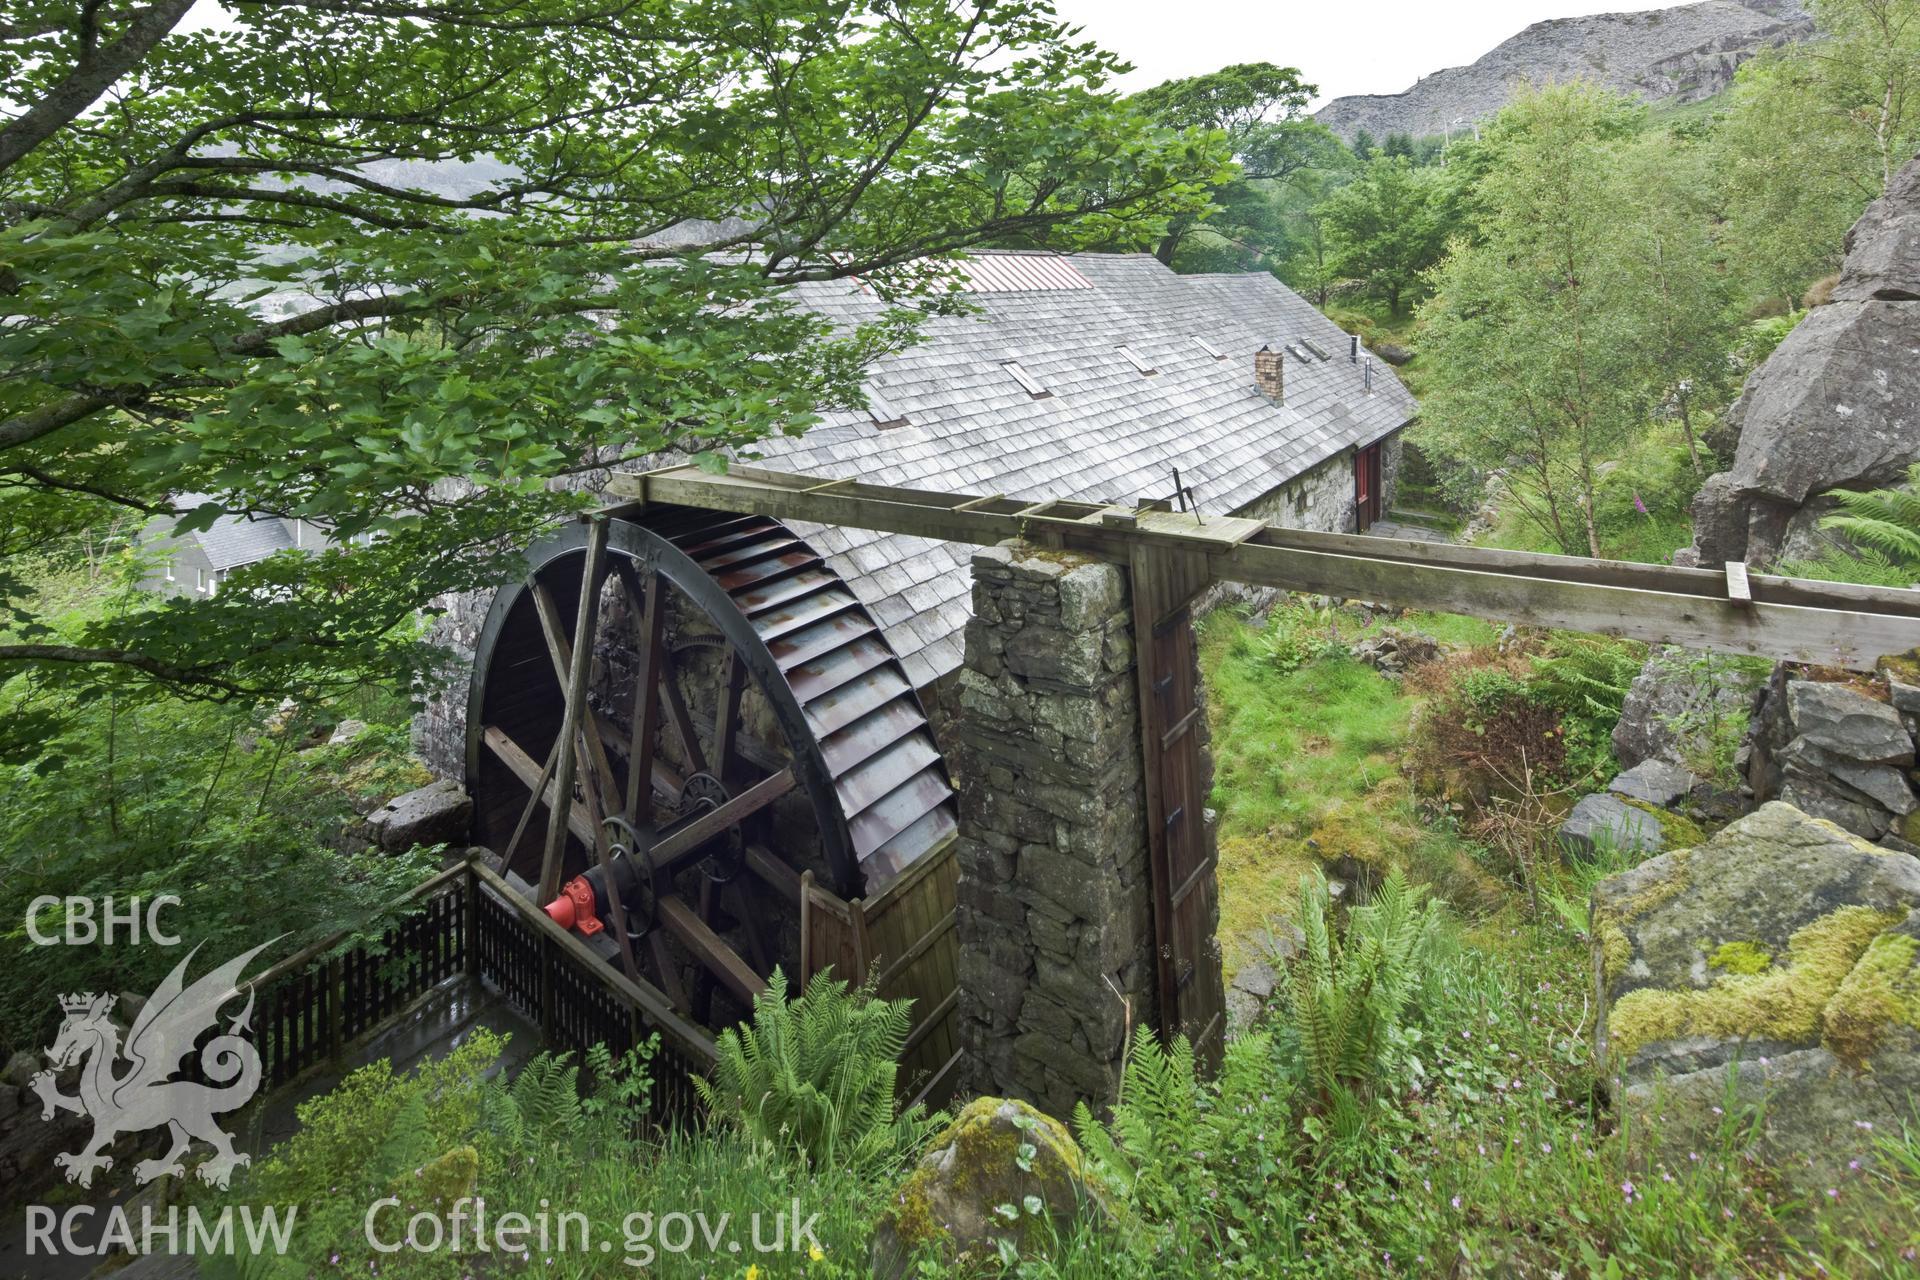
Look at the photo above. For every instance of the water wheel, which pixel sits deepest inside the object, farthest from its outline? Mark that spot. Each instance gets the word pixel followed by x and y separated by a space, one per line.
pixel 734 720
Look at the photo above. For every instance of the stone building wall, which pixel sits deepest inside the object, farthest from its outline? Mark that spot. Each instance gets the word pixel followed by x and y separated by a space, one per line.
pixel 440 730
pixel 1054 911
pixel 1322 498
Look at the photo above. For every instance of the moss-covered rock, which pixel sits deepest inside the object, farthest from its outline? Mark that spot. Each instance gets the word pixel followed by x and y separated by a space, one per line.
pixel 993 1174
pixel 1779 959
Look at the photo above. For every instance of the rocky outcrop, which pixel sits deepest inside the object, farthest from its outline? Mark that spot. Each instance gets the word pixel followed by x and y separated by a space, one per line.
pixel 1673 704
pixel 1835 752
pixel 1779 959
pixel 997 1155
pixel 1833 407
pixel 1681 54
pixel 1395 651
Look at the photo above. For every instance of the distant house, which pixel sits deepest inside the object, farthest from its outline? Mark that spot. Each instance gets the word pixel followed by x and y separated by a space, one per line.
pixel 1093 376
pixel 197 563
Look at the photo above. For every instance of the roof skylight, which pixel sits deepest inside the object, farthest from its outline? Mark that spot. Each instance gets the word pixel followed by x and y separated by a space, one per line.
pixel 1025 379
pixel 1135 359
pixel 1208 347
pixel 882 412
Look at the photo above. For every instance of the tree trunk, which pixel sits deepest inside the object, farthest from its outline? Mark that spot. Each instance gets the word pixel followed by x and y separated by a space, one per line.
pixel 1686 424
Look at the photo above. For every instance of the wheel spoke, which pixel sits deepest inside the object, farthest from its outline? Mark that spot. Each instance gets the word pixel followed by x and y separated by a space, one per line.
pixel 576 691
pixel 647 603
pixel 716 820
pixel 709 948
pixel 677 713
pixel 726 717
pixel 535 779
pixel 560 651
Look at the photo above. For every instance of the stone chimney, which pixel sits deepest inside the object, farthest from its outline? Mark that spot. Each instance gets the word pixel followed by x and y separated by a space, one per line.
pixel 1269 376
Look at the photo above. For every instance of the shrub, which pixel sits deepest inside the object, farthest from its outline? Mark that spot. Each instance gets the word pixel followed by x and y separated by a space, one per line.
pixel 816 1075
pixel 1299 633
pixel 1483 730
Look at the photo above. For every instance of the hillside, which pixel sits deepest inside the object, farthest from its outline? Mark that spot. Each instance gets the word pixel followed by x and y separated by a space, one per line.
pixel 1662 55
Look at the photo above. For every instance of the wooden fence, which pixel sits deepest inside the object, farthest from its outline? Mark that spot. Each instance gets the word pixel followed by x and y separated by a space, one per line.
pixel 467 920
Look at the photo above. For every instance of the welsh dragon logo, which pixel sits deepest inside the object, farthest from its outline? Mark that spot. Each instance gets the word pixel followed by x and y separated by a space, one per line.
pixel 143 1096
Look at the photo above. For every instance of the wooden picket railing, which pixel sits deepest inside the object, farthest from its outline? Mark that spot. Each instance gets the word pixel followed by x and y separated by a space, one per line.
pixel 467 920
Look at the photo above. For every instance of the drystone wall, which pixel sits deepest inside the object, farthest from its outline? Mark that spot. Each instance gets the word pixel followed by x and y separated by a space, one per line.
pixel 1054 907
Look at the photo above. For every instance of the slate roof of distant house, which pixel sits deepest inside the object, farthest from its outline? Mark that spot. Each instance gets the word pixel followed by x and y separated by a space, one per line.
pixel 1104 431
pixel 233 541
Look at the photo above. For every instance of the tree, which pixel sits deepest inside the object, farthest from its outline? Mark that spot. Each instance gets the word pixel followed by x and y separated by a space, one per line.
pixel 1387 227
pixel 403 269
pixel 1363 146
pixel 1677 272
pixel 1260 108
pixel 1538 334
pixel 1813 132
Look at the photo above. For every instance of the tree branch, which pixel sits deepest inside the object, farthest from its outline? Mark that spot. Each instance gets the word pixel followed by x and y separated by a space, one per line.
pixel 92 75
pixel 75 655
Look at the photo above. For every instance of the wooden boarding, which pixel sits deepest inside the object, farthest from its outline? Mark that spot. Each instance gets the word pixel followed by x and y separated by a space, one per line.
pixel 905 937
pixel 1180 844
pixel 1787 619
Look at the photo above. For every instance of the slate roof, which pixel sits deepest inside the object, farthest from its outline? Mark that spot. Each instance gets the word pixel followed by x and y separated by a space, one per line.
pixel 1104 431
pixel 232 541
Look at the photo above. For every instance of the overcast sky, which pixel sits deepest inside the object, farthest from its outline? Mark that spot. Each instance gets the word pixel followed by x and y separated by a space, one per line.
pixel 1364 46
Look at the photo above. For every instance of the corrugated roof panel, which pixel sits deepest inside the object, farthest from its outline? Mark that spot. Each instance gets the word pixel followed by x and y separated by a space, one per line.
pixel 1020 272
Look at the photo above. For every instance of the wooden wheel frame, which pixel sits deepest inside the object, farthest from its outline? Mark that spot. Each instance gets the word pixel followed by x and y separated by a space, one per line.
pixel 736 721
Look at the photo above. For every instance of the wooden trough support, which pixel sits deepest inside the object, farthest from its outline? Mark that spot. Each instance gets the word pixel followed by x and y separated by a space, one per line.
pixel 1173 557
pixel 1787 619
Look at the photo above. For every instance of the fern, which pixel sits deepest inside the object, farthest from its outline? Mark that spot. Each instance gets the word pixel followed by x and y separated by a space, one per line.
pixel 1172 1133
pixel 817 1074
pixel 1884 527
pixel 1348 996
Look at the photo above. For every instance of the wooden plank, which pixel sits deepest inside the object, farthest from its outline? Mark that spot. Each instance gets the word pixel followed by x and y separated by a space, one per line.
pixel 782 878
pixel 1739 590
pixel 708 947
pixel 1791 619
pixel 1792 633
pixel 523 768
pixel 576 686
pixel 714 821
pixel 1208 533
pixel 919 948
pixel 680 1034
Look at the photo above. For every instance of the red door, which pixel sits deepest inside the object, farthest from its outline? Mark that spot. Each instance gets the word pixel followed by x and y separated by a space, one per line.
pixel 1366 488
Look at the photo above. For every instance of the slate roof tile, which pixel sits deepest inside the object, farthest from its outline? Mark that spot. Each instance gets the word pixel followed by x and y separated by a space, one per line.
pixel 1106 432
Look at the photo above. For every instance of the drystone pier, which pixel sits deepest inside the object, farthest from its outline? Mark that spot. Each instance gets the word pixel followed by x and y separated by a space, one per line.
pixel 1054 907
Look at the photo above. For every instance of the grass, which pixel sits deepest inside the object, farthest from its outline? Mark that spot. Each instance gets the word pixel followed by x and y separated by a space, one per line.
pixel 1307 773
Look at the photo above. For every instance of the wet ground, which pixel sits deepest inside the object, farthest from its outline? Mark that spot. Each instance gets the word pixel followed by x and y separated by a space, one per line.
pixel 434 1026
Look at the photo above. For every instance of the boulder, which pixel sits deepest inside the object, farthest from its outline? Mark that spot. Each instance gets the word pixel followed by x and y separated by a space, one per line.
pixel 346 731
pixel 1671 706
pixel 438 813
pixel 1608 820
pixel 1392 352
pixel 1883 248
pixel 1832 406
pixel 1781 959
pixel 21 1068
pixel 1659 782
pixel 997 1155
